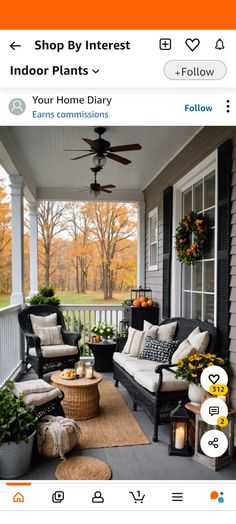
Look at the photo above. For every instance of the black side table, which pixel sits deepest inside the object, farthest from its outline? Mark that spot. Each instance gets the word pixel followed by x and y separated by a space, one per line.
pixel 103 355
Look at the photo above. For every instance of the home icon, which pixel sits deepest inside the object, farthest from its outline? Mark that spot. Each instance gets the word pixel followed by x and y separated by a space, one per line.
pixel 18 497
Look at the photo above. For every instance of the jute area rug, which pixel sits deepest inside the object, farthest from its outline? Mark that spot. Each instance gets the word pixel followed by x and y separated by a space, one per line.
pixel 114 426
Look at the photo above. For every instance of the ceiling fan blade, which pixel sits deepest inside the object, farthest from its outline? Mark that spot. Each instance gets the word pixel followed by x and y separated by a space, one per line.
pixel 88 141
pixel 128 147
pixel 108 186
pixel 105 190
pixel 118 158
pixel 76 149
pixel 83 156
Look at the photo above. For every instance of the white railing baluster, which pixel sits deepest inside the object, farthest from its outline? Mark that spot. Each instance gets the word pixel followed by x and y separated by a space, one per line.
pixel 10 342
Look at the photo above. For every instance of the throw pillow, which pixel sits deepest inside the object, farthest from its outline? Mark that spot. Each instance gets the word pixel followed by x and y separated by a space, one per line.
pixel 166 331
pixel 47 321
pixel 184 350
pixel 159 350
pixel 49 336
pixel 136 344
pixel 199 340
pixel 127 346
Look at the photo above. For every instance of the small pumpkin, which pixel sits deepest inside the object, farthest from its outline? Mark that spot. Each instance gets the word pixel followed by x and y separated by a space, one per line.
pixel 136 303
pixel 144 304
pixel 150 303
pixel 143 299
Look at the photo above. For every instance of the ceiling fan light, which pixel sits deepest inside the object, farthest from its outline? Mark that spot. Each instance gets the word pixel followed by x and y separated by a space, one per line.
pixel 99 160
pixel 94 193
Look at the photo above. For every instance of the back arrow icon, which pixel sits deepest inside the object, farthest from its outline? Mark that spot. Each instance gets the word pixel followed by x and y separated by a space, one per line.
pixel 13 45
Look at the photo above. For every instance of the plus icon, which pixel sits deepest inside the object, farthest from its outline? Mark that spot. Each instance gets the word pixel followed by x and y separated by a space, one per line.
pixel 165 44
pixel 177 73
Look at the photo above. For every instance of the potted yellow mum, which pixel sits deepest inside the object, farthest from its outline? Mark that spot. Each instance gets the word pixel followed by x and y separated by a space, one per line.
pixel 190 369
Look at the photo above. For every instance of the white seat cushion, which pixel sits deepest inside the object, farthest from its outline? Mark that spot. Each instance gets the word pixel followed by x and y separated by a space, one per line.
pixel 137 364
pixel 150 380
pixel 55 351
pixel 121 358
pixel 38 399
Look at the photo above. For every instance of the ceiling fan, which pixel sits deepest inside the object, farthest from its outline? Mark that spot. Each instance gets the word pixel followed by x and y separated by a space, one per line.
pixel 95 187
pixel 102 149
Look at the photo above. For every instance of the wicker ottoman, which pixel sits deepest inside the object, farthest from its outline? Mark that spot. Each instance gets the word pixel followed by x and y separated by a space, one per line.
pixel 81 396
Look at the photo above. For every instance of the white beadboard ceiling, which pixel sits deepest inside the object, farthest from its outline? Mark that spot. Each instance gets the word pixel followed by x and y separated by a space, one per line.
pixel 38 152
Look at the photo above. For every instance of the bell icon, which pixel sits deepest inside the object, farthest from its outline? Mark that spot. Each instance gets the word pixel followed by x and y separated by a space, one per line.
pixel 219 44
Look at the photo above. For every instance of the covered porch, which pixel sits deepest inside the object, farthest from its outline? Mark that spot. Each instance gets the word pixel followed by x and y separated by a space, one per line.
pixel 39 169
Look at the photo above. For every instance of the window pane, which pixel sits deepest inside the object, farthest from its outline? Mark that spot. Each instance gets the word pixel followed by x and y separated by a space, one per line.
pixel 197 197
pixel 153 228
pixel 197 277
pixel 210 252
pixel 153 255
pixel 186 276
pixel 209 276
pixel 187 201
pixel 211 216
pixel 208 301
pixel 197 305
pixel 187 305
pixel 209 190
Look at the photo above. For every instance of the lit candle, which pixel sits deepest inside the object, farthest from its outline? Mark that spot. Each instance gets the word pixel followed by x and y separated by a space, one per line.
pixel 80 369
pixel 89 372
pixel 179 437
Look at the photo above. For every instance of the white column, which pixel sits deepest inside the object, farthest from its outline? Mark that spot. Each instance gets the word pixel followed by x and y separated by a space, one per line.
pixel 33 248
pixel 17 296
pixel 141 245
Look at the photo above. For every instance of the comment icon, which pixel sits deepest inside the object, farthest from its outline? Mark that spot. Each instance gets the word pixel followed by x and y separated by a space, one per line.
pixel 214 410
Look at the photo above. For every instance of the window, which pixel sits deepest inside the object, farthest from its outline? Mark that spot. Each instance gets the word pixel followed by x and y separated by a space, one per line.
pixel 194 288
pixel 198 281
pixel 153 239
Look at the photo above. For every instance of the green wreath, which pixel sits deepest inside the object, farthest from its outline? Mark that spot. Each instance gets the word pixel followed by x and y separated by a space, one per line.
pixel 192 238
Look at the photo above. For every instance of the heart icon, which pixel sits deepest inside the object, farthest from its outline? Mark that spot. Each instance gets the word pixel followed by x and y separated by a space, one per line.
pixel 214 378
pixel 192 43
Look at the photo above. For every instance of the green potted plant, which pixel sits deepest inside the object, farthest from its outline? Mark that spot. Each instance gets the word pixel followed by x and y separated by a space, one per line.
pixel 103 330
pixel 190 369
pixel 17 430
pixel 46 295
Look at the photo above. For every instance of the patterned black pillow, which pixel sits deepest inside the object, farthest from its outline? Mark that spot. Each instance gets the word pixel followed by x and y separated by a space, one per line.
pixel 158 350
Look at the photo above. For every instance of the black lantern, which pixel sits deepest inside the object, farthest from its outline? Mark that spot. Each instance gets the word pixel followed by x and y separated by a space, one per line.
pixel 123 327
pixel 141 292
pixel 179 431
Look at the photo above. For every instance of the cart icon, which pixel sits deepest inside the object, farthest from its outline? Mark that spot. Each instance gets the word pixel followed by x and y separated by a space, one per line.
pixel 137 497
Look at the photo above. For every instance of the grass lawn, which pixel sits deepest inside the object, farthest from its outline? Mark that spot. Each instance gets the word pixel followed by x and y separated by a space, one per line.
pixel 75 298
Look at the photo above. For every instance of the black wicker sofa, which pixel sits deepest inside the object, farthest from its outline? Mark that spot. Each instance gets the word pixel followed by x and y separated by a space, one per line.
pixel 159 404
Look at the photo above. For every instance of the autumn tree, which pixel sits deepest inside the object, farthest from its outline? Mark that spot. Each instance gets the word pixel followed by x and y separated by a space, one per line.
pixel 51 222
pixel 5 241
pixel 79 229
pixel 111 223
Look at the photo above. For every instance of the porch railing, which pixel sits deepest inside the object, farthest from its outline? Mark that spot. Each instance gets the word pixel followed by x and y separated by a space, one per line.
pixel 78 318
pixel 11 350
pixel 82 317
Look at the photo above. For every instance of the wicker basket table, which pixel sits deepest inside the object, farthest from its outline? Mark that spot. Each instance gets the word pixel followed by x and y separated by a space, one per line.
pixel 81 400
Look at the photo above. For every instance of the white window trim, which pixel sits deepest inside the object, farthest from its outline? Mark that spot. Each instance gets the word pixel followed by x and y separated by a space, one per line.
pixel 200 171
pixel 151 214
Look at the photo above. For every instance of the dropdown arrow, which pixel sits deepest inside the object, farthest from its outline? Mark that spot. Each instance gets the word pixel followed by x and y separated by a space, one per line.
pixel 95 71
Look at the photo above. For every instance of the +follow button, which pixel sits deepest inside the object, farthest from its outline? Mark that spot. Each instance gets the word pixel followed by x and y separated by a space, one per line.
pixel 195 70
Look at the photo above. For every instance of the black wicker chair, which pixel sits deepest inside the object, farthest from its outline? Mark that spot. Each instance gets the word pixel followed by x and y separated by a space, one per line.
pixel 40 364
pixel 159 405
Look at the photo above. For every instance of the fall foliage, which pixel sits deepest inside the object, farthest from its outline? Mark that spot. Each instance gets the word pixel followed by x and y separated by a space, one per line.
pixel 89 246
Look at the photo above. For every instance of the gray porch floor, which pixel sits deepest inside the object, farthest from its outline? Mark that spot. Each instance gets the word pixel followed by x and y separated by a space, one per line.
pixel 146 462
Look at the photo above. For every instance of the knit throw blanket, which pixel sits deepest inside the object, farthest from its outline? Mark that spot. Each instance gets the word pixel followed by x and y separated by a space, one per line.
pixel 57 428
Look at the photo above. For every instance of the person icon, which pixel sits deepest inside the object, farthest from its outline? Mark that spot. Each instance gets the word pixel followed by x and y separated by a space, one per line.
pixel 17 106
pixel 98 498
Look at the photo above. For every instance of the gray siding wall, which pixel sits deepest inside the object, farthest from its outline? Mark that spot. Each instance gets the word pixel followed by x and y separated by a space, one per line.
pixel 199 148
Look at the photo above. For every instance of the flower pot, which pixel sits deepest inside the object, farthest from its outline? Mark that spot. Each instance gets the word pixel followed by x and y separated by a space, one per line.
pixel 15 458
pixel 195 392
